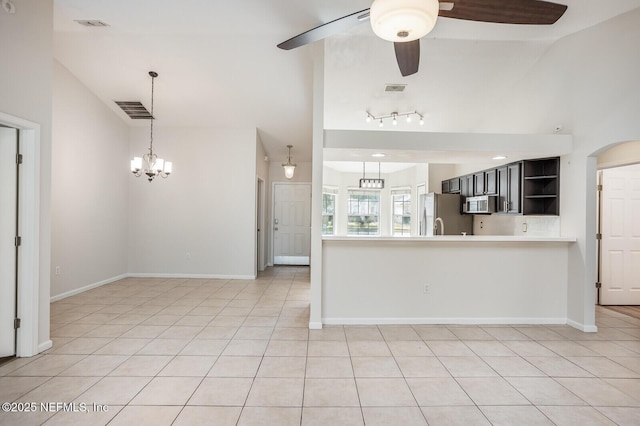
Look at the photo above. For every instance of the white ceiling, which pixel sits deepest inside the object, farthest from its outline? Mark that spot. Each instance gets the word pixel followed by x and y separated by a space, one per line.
pixel 218 63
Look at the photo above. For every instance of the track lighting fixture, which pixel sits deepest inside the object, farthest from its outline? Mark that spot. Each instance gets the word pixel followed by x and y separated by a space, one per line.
pixel 394 117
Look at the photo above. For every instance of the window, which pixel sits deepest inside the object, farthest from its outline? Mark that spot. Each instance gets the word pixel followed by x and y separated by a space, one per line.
pixel 401 200
pixel 364 213
pixel 328 210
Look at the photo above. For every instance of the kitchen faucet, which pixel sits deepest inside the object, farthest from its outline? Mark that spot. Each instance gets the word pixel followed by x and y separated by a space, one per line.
pixel 435 226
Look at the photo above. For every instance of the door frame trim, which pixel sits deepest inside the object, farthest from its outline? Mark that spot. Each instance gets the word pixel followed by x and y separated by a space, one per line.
pixel 273 213
pixel 29 284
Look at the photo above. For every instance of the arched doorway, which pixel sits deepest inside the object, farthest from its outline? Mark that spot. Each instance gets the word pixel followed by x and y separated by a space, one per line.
pixel 618 245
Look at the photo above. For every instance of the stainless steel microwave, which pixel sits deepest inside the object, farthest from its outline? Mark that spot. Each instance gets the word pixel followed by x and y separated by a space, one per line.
pixel 484 204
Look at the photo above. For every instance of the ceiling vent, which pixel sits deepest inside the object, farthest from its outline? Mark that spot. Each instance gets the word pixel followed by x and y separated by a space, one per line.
pixel 91 23
pixel 135 110
pixel 394 87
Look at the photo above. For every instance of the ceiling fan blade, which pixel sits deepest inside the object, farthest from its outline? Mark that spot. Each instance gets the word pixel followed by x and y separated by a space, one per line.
pixel 408 56
pixel 325 30
pixel 528 12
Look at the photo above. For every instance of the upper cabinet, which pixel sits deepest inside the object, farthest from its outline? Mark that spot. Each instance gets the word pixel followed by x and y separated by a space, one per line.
pixel 530 187
pixel 454 185
pixel 451 186
pixel 478 183
pixel 541 186
pixel 485 182
pixel 508 177
pixel 466 186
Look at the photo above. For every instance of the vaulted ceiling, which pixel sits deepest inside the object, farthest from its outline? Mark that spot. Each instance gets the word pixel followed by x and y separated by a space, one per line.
pixel 218 63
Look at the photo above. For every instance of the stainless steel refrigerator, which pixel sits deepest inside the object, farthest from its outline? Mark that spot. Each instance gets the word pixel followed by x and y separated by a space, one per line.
pixel 440 212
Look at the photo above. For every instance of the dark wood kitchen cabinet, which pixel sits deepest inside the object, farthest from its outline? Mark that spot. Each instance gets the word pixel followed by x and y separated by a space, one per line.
pixel 491 182
pixel 508 178
pixel 485 182
pixel 478 183
pixel 541 186
pixel 451 186
pixel 529 187
pixel 466 186
pixel 454 186
pixel 445 187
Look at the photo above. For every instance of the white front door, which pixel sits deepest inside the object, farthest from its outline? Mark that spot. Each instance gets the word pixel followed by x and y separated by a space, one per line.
pixel 291 224
pixel 8 192
pixel 620 218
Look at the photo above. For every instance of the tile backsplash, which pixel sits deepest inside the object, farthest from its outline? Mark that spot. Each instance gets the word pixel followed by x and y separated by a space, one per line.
pixel 502 224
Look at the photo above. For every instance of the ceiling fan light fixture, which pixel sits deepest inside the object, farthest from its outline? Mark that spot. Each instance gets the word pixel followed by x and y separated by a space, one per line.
pixel 403 20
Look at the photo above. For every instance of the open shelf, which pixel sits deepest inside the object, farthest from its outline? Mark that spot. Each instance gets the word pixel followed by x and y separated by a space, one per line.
pixel 541 186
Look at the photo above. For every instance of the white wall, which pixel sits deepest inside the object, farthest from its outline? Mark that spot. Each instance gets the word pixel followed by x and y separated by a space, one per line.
pixel 588 82
pixel 501 282
pixel 438 173
pixel 89 186
pixel 201 220
pixel 25 85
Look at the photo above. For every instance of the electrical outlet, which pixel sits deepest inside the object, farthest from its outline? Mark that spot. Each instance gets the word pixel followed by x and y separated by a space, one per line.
pixel 57 270
pixel 426 288
pixel 524 227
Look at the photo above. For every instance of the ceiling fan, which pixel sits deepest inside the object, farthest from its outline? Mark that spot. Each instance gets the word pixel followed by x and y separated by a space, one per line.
pixel 404 22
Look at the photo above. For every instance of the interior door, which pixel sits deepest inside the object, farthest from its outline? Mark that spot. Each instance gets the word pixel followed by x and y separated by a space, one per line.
pixel 620 211
pixel 8 220
pixel 292 224
pixel 260 225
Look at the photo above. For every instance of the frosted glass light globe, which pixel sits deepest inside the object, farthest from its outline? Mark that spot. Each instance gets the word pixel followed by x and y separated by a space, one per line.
pixel 403 20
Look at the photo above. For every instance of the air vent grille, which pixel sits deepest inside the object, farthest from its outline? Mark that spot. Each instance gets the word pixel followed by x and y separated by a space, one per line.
pixel 135 110
pixel 395 87
pixel 91 23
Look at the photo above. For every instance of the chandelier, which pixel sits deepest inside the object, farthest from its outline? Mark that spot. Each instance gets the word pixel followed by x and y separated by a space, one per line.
pixel 153 166
pixel 289 167
pixel 368 183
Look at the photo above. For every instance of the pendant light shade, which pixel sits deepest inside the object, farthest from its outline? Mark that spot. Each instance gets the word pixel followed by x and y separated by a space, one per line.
pixel 403 20
pixel 289 167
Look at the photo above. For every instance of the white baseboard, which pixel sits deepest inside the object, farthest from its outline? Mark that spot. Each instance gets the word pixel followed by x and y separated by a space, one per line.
pixel 44 346
pixel 197 276
pixel 582 327
pixel 315 325
pixel 86 288
pixel 291 260
pixel 428 321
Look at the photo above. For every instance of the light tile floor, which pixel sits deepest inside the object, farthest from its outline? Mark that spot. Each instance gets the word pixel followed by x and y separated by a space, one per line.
pixel 216 352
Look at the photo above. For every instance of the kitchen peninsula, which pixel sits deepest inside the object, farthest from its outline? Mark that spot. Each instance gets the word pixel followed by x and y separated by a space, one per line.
pixel 480 279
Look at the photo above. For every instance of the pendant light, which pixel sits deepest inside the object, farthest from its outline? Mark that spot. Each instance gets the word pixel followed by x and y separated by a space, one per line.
pixel 153 166
pixel 289 167
pixel 369 183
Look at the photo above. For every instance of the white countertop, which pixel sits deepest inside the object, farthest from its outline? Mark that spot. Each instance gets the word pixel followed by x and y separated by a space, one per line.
pixel 454 238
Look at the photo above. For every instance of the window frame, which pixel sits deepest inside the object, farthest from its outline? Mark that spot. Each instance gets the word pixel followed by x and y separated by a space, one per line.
pixel 378 215
pixel 333 191
pixel 406 207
